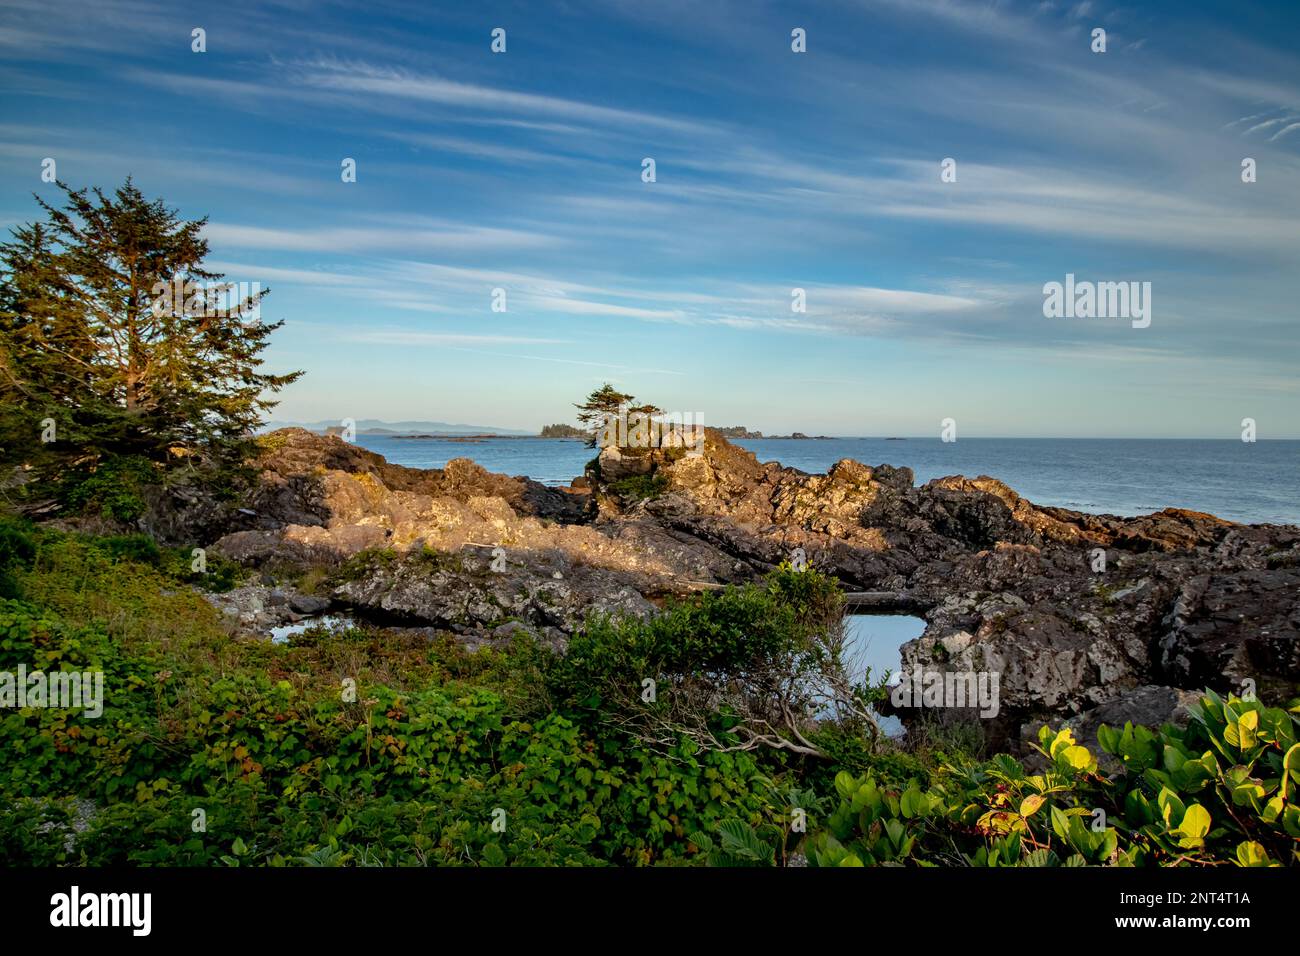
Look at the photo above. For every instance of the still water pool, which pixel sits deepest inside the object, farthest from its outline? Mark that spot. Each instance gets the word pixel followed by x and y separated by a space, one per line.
pixel 873 641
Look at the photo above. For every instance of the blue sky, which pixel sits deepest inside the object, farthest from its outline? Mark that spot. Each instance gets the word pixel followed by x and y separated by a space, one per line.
pixel 775 171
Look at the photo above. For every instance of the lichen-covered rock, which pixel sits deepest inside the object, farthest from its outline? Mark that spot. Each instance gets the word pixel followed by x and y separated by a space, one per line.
pixel 1076 612
pixel 254 609
pixel 476 593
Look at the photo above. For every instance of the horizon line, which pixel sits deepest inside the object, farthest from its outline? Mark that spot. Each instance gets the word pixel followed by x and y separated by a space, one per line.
pixel 534 433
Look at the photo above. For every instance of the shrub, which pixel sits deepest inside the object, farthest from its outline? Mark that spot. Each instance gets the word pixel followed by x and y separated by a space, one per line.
pixel 17 549
pixel 134 547
pixel 1219 791
pixel 115 488
pixel 34 832
pixel 440 747
pixel 640 487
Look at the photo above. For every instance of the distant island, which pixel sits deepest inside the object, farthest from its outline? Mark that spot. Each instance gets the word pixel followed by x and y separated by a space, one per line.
pixel 740 431
pixel 372 426
pixel 414 431
pixel 563 431
pixel 729 432
pixel 462 438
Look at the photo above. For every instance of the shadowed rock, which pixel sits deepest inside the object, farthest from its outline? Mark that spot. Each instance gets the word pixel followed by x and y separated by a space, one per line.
pixel 1186 600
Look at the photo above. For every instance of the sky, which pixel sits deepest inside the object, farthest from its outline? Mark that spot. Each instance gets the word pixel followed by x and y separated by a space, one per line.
pixel 774 170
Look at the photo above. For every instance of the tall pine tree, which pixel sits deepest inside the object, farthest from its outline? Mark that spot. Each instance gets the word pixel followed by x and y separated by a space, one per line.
pixel 88 344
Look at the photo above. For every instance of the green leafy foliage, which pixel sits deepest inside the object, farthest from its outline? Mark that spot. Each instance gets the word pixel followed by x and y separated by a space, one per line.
pixel 640 487
pixel 215 752
pixel 286 771
pixel 1220 790
pixel 17 549
pixel 113 487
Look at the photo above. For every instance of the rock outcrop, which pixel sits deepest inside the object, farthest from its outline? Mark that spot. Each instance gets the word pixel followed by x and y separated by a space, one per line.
pixel 1185 600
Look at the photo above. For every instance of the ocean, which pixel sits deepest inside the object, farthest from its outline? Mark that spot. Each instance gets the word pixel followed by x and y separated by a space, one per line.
pixel 1256 482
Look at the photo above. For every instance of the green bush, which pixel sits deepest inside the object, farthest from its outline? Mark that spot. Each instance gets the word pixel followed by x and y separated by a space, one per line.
pixel 34 832
pixel 1221 790
pixel 727 635
pixel 213 752
pixel 133 547
pixel 640 487
pixel 114 489
pixel 17 549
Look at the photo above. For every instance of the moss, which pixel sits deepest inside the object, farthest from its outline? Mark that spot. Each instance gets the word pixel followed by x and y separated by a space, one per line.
pixel 440 560
pixel 1107 591
pixel 1277 559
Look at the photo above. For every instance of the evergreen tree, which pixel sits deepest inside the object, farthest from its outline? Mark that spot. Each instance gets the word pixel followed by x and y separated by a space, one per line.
pixel 94 337
pixel 600 404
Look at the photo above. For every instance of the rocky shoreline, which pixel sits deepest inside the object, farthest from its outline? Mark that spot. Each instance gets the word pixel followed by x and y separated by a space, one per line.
pixel 1183 600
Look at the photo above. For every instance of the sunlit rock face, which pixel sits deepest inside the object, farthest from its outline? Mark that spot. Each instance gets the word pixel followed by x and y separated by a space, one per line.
pixel 1075 611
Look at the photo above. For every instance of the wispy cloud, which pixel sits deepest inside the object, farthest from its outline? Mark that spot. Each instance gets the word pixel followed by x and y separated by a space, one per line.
pixel 440 339
pixel 385 81
pixel 343 239
pixel 775 171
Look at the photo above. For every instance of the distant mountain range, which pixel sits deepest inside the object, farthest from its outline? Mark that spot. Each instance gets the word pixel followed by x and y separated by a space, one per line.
pixel 373 426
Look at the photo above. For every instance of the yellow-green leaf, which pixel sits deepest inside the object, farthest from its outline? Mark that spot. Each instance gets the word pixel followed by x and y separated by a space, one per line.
pixel 1029 806
pixel 1251 853
pixel 1196 821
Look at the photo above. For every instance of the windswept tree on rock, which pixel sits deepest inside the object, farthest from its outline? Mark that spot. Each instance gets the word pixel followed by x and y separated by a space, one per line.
pixel 600 404
pixel 604 402
pixel 117 345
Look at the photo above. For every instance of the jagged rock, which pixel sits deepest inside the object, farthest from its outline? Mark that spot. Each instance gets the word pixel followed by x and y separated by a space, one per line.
pixel 308 604
pixel 1237 626
pixel 254 609
pixel 466 592
pixel 1185 601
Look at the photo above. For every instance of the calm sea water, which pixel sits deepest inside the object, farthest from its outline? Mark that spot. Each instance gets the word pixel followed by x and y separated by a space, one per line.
pixel 872 643
pixel 1239 481
pixel 873 648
